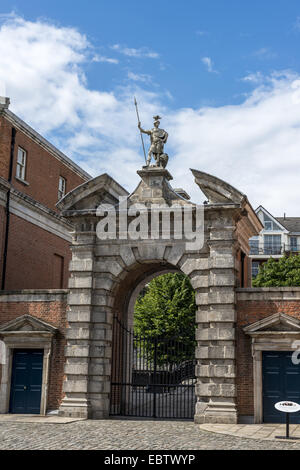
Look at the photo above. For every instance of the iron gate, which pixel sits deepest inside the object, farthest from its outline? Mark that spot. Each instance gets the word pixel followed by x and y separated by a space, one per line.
pixel 151 377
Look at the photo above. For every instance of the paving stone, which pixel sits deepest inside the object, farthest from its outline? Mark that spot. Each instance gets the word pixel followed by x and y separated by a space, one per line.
pixel 115 434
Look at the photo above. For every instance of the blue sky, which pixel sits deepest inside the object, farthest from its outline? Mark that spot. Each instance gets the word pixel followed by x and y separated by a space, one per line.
pixel 240 37
pixel 225 75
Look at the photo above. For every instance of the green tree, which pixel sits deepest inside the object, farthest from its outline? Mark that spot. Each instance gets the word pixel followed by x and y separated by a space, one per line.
pixel 166 312
pixel 279 273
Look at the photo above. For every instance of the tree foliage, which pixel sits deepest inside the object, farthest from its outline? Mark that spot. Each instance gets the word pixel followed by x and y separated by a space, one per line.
pixel 164 313
pixel 279 273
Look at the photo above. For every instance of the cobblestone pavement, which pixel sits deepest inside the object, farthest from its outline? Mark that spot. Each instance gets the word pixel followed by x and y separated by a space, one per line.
pixel 125 434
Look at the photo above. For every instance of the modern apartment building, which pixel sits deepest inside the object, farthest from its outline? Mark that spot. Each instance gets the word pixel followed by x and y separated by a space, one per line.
pixel 281 235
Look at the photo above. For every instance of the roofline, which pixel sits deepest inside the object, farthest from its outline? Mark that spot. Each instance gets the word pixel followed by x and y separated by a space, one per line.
pixel 272 216
pixel 39 139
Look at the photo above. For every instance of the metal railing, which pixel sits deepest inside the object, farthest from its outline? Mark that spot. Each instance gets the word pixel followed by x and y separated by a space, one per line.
pixel 267 249
pixel 293 248
pixel 272 249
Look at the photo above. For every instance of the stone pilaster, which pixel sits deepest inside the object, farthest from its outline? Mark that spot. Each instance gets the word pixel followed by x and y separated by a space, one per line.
pixel 216 316
pixel 77 352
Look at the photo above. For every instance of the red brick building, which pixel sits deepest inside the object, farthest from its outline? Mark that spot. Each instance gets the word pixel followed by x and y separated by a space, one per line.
pixel 34 175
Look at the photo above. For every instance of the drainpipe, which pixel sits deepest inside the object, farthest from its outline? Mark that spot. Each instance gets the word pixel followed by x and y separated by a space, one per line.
pixel 12 149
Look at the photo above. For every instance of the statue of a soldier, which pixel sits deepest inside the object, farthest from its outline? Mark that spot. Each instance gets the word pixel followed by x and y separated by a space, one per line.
pixel 158 137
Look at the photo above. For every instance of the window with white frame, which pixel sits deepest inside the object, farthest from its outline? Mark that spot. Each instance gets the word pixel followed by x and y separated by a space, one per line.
pixel 21 163
pixel 272 244
pixel 61 187
pixel 269 224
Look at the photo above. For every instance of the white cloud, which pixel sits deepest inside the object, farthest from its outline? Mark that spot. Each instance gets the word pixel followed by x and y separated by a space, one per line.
pixel 264 53
pixel 142 52
pixel 100 58
pixel 208 64
pixel 139 77
pixel 255 145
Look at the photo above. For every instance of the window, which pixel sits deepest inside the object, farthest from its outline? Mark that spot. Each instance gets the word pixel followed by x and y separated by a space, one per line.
pixel 294 244
pixel 61 187
pixel 269 224
pixel 255 268
pixel 21 164
pixel 254 246
pixel 272 244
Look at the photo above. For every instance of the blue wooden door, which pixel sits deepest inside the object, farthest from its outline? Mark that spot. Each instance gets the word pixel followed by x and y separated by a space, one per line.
pixel 281 381
pixel 26 381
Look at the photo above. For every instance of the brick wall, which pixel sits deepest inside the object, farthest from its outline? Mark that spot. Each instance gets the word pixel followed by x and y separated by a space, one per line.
pixel 42 168
pixel 51 311
pixel 31 260
pixel 5 142
pixel 2 235
pixel 36 258
pixel 254 305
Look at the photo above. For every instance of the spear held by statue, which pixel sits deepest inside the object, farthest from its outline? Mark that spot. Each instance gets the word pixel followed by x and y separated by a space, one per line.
pixel 139 122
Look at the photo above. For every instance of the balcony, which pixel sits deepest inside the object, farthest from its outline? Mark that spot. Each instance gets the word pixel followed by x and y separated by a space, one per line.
pixel 266 249
pixel 293 248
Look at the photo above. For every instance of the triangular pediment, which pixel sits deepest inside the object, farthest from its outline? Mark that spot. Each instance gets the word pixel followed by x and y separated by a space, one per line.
pixel 27 323
pixel 92 193
pixel 278 322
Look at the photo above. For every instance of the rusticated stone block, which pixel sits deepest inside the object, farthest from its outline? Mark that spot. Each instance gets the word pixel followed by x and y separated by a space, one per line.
pixel 227 371
pixel 80 297
pixel 222 314
pixel 76 386
pixel 77 333
pixel 80 281
pixel 81 265
pixel 79 314
pixel 77 368
pixel 222 334
pixel 76 350
pixel 194 264
pixel 108 266
pixel 215 352
pixel 216 390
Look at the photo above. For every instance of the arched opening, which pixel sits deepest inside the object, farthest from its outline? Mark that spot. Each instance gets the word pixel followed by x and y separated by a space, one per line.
pixel 153 344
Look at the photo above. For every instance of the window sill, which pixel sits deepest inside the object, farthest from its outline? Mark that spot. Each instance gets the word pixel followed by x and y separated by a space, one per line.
pixel 22 181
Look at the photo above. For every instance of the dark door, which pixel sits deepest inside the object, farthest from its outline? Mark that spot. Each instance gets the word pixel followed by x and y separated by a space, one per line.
pixel 26 381
pixel 281 381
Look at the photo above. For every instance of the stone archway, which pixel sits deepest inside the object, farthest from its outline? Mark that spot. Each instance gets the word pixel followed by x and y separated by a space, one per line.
pixel 98 268
pixel 134 366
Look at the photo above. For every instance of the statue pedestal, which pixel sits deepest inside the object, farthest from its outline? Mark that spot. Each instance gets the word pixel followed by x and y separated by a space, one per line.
pixel 154 187
pixel 154 171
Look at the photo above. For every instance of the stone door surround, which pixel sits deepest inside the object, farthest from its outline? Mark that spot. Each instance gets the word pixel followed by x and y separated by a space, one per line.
pixel 25 332
pixel 276 332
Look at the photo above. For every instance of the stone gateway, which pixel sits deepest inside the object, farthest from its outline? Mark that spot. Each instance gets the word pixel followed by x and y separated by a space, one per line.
pixel 105 275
